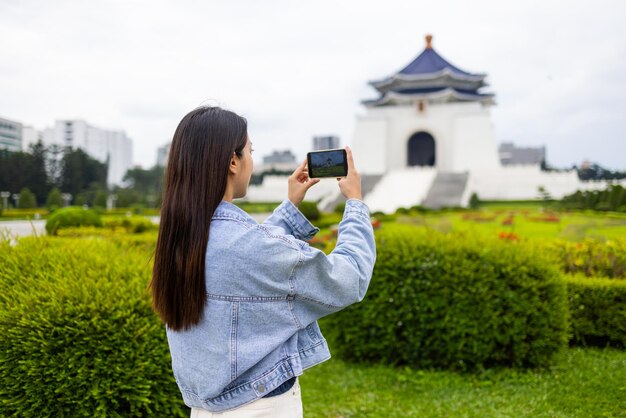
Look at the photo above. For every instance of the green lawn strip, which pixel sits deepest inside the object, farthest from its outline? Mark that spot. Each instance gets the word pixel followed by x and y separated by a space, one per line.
pixel 583 383
pixel 574 226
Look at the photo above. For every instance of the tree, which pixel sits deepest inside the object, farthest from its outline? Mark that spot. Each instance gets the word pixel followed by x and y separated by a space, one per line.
pixel 27 199
pixel 146 187
pixel 19 170
pixel 54 199
pixel 54 161
pixel 101 199
pixel 37 178
pixel 80 172
pixel 474 201
pixel 617 197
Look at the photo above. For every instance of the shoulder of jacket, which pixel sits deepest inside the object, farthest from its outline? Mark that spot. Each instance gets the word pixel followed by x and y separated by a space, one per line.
pixel 274 234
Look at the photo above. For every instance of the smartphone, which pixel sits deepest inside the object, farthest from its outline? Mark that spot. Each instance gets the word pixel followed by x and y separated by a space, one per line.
pixel 327 163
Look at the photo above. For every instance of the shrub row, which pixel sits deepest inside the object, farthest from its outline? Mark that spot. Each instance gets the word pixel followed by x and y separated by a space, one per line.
pixel 455 302
pixel 78 334
pixel 131 224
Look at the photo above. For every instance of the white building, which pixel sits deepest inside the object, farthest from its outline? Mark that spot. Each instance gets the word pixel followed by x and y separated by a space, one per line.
pixel 428 140
pixel 10 135
pixel 107 146
pixel 162 154
pixel 325 142
pixel 30 136
pixel 510 154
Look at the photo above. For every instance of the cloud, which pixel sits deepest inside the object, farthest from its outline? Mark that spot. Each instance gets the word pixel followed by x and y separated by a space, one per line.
pixel 299 69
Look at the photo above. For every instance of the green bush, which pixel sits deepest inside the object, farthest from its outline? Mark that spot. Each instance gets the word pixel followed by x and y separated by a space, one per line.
pixel 79 337
pixel 257 207
pixel 474 201
pixel 456 302
pixel 54 200
pixel 340 208
pixel 327 220
pixel 131 224
pixel 71 216
pixel 27 199
pixel 598 311
pixel 384 217
pixel 310 210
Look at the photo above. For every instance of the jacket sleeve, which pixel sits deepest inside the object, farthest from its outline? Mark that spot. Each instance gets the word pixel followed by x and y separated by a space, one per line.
pixel 325 284
pixel 292 222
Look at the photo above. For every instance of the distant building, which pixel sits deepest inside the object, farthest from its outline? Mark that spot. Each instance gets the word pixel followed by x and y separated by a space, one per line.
pixel 10 135
pixel 282 161
pixel 162 154
pixel 107 146
pixel 512 155
pixel 30 136
pixel 277 157
pixel 325 142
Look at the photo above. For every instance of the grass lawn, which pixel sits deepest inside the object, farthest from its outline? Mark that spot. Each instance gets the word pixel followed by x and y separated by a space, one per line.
pixel 583 383
pixel 575 226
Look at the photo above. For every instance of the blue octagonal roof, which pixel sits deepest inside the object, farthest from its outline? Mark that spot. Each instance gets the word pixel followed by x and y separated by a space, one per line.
pixel 429 62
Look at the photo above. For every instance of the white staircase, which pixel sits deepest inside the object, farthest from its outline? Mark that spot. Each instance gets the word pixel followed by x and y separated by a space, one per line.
pixel 400 188
pixel 447 190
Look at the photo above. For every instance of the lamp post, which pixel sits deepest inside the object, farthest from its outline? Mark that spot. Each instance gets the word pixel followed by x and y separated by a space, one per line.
pixel 111 199
pixel 5 196
pixel 16 199
pixel 67 198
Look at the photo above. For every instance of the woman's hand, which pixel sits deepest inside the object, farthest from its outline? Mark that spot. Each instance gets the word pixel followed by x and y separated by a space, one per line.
pixel 350 185
pixel 298 184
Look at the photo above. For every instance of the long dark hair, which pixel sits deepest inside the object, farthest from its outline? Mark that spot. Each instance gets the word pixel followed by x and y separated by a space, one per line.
pixel 195 183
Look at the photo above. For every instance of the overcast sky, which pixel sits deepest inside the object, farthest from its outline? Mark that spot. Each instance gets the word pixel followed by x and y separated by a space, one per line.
pixel 296 69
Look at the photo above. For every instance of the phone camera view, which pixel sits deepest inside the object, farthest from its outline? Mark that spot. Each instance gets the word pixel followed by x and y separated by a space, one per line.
pixel 327 163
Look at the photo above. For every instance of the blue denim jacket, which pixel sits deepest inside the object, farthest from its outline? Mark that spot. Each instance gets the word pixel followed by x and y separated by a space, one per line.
pixel 266 288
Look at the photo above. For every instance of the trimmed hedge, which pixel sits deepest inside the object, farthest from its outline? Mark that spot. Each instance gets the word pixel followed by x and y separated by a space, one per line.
pixel 598 311
pixel 452 301
pixel 79 337
pixel 71 216
pixel 131 224
pixel 310 210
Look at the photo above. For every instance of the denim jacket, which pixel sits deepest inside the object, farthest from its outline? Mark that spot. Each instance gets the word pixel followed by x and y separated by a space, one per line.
pixel 266 288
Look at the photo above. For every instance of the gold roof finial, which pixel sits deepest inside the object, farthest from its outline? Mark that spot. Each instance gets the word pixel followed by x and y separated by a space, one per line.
pixel 429 41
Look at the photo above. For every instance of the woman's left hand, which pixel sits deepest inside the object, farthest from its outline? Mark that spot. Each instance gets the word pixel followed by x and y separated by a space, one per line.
pixel 299 182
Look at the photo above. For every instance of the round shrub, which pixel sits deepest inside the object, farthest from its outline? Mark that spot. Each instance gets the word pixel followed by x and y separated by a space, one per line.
pixel 310 210
pixel 72 216
pixel 340 208
pixel 452 301
pixel 598 311
pixel 79 337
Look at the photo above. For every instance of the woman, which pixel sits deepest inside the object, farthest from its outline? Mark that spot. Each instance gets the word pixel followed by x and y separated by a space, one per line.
pixel 240 300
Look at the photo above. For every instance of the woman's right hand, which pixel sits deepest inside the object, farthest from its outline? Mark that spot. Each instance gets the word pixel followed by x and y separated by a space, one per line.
pixel 350 185
pixel 299 183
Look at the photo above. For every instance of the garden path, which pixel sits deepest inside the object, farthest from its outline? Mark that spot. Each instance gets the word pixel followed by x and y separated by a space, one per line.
pixel 23 228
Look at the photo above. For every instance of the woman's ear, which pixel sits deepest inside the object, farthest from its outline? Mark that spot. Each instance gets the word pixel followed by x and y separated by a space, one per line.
pixel 233 167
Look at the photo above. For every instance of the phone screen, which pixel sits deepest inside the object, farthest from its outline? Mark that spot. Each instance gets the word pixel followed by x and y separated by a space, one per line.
pixel 329 163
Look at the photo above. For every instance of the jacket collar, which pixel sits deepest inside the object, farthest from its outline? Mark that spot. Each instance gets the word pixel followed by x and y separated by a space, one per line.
pixel 229 210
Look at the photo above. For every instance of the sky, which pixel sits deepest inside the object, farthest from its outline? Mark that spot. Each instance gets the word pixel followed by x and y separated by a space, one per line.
pixel 298 69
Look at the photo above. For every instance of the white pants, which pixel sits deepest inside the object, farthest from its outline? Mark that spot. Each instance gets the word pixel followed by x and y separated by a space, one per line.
pixel 287 405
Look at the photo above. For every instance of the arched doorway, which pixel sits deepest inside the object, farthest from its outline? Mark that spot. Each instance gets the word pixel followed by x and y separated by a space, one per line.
pixel 421 150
